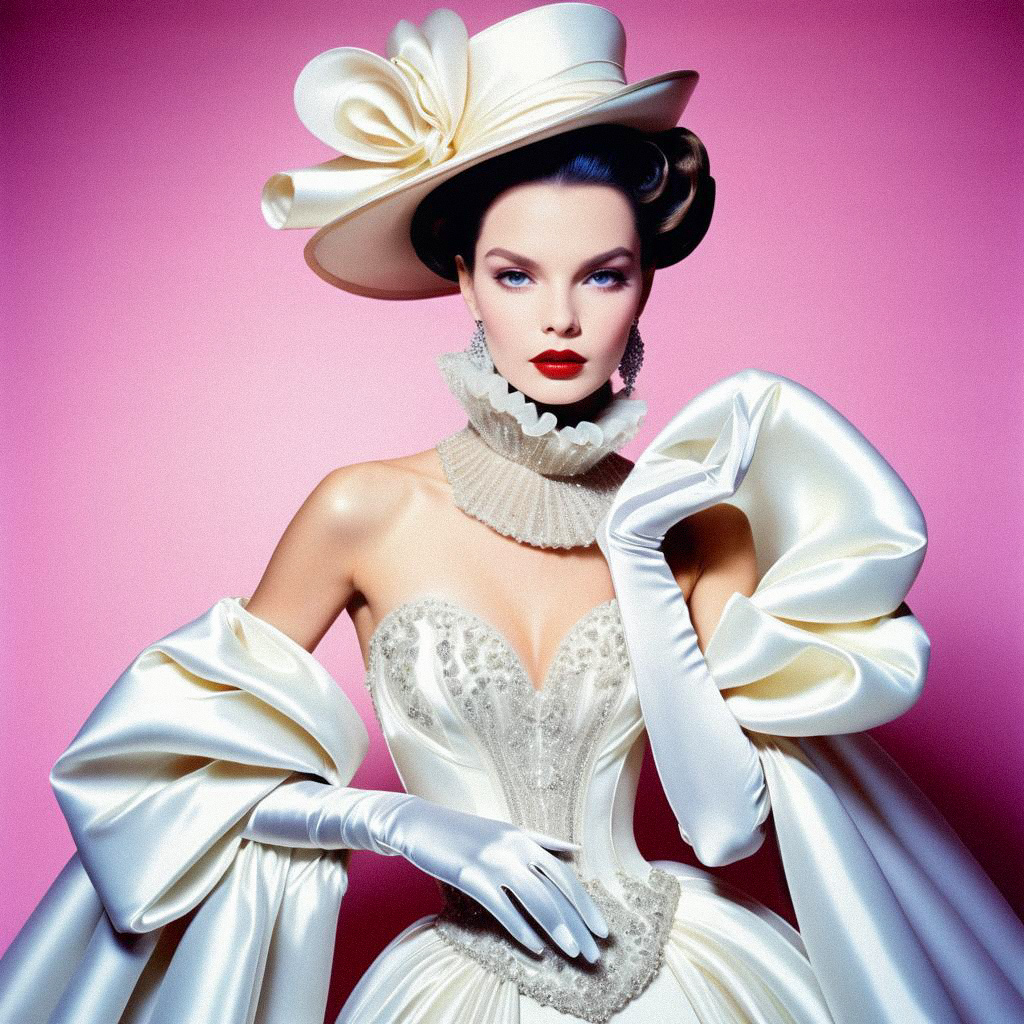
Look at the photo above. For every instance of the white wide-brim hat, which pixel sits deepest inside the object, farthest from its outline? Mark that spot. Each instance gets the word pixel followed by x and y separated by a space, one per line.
pixel 440 103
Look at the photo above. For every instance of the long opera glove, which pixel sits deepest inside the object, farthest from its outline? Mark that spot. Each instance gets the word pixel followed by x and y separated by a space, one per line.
pixel 710 771
pixel 480 856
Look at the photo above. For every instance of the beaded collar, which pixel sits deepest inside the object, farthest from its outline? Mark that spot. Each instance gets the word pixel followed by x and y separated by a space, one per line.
pixel 522 474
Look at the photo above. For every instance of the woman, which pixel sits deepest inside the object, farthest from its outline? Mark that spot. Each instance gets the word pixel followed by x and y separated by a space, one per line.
pixel 529 605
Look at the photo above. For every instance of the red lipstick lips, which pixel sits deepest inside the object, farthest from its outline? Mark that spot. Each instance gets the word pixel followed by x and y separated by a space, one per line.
pixel 558 364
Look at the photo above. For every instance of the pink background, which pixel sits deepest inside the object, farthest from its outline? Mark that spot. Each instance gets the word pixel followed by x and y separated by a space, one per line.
pixel 176 379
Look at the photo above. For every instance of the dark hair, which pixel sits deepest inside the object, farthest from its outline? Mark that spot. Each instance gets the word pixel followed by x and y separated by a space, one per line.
pixel 665 175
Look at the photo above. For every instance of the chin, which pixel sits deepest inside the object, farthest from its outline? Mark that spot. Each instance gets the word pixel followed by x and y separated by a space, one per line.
pixel 559 392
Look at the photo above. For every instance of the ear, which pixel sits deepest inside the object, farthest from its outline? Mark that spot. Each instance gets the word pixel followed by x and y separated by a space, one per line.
pixel 466 286
pixel 648 282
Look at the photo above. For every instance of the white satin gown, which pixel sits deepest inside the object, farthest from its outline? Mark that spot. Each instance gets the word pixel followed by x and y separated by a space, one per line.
pixel 467 728
pixel 166 915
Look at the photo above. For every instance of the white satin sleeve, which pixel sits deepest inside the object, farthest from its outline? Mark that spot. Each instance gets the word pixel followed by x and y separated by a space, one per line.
pixel 900 923
pixel 826 644
pixel 156 788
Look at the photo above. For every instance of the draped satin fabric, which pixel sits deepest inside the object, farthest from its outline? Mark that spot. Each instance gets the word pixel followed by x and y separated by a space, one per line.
pixel 898 919
pixel 897 916
pixel 898 923
pixel 826 644
pixel 156 788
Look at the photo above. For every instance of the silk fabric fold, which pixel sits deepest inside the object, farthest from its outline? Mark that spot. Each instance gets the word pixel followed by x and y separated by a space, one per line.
pixel 156 788
pixel 440 94
pixel 899 921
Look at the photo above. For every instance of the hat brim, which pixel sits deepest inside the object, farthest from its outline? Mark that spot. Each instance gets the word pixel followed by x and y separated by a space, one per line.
pixel 368 250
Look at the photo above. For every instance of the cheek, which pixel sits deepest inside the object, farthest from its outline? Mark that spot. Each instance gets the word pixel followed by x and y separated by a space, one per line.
pixel 515 319
pixel 609 322
pixel 491 296
pixel 510 315
pixel 506 327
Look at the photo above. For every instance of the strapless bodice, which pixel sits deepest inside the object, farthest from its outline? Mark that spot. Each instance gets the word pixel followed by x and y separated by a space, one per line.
pixel 467 728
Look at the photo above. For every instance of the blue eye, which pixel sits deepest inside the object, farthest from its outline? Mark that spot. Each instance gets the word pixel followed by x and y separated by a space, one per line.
pixel 503 277
pixel 617 277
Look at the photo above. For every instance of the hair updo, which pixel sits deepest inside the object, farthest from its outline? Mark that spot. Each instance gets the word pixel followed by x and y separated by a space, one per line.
pixel 664 175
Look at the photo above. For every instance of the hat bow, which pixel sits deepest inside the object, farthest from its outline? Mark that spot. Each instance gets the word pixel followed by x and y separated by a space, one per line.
pixel 439 95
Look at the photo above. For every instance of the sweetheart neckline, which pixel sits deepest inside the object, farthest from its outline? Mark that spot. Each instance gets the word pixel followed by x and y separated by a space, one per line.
pixel 498 634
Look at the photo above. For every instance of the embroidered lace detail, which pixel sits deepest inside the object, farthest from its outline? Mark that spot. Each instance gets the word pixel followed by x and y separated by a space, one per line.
pixel 393 650
pixel 639 923
pixel 539 742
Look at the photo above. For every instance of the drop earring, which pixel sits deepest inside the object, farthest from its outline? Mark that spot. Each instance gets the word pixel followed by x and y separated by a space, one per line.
pixel 632 357
pixel 477 350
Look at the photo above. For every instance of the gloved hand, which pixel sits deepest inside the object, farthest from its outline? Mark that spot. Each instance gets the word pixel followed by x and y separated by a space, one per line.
pixel 709 769
pixel 477 855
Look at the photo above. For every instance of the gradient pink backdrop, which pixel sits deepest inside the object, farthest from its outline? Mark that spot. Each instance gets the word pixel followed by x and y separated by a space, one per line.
pixel 176 380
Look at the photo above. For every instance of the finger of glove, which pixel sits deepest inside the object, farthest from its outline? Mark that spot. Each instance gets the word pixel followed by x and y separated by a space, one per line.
pixel 727 459
pixel 660 477
pixel 746 428
pixel 662 489
pixel 495 900
pixel 580 930
pixel 667 499
pixel 727 463
pixel 733 468
pixel 549 908
pixel 570 886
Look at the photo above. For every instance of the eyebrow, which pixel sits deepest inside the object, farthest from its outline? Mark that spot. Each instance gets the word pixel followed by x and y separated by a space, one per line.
pixel 527 262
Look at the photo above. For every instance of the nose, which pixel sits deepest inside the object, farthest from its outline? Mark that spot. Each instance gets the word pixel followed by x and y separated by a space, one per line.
pixel 560 316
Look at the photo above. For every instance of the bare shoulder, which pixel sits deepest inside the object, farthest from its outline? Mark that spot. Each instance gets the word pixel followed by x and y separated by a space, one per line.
pixel 728 565
pixel 340 528
pixel 363 499
pixel 726 553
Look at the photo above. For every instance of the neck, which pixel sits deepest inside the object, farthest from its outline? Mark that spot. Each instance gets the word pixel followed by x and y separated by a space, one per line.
pixel 570 414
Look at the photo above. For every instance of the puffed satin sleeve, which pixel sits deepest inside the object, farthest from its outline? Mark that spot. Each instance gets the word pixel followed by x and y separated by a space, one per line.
pixel 165 913
pixel 899 921
pixel 826 644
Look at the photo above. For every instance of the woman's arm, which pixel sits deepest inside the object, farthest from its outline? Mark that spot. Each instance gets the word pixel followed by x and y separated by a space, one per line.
pixel 311 574
pixel 311 577
pixel 709 769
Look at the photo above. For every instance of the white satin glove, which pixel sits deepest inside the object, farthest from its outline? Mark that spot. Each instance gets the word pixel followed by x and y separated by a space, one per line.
pixel 709 769
pixel 480 856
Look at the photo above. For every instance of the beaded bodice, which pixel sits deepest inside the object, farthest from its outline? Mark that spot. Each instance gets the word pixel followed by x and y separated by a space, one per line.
pixel 468 728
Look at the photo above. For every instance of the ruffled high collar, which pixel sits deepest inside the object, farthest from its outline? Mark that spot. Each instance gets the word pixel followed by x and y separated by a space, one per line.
pixel 518 471
pixel 511 425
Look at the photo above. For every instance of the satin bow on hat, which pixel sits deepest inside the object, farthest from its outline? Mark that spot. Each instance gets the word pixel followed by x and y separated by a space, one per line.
pixel 403 110
pixel 440 95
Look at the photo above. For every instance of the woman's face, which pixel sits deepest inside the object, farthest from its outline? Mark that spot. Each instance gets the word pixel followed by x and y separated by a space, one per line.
pixel 557 267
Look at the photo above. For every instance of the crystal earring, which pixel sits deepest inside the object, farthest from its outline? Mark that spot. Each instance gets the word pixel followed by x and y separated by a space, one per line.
pixel 632 357
pixel 478 353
